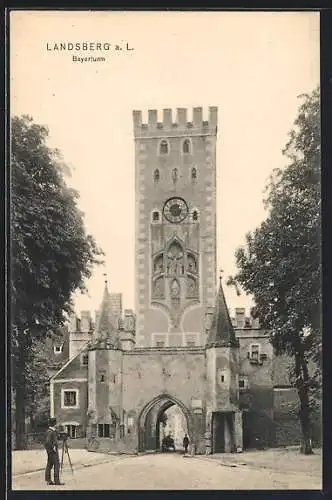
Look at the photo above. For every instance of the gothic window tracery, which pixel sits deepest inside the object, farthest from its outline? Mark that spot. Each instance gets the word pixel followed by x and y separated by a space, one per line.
pixel 158 288
pixel 175 289
pixel 191 263
pixel 158 265
pixel 192 287
pixel 175 260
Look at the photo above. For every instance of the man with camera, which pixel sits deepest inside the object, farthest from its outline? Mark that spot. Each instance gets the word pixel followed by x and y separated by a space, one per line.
pixel 51 446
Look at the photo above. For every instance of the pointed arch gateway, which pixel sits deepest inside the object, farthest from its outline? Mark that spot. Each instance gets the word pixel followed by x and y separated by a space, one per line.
pixel 149 420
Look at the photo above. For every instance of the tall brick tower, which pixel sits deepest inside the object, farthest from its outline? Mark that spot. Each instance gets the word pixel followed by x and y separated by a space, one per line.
pixel 175 226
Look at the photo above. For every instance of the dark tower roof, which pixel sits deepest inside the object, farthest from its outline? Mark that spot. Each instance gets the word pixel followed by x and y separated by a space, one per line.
pixel 221 332
pixel 106 332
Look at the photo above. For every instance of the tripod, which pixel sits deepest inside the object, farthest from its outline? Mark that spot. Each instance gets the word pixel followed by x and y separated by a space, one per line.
pixel 65 450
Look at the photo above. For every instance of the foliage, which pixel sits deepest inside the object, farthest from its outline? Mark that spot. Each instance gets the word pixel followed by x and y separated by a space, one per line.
pixel 280 264
pixel 51 254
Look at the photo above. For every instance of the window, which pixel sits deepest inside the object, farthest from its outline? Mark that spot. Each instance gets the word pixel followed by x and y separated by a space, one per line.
pixel 104 430
pixel 160 343
pixel 195 216
pixel 69 398
pixel 155 216
pixel 243 382
pixel 223 376
pixel 58 349
pixel 186 146
pixel 71 431
pixel 102 377
pixel 191 343
pixel 163 148
pixel 85 359
pixel 156 175
pixel 254 352
pixel 193 174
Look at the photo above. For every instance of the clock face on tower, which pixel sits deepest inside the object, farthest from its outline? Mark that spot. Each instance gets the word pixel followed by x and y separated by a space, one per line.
pixel 175 209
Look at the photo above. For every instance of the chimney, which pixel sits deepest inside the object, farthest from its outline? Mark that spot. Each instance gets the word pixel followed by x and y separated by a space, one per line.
pixel 240 317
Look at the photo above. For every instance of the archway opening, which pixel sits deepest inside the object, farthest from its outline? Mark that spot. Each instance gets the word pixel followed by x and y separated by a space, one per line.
pixel 164 418
pixel 171 429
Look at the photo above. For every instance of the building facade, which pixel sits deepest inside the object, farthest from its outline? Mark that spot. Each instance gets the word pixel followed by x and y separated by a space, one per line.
pixel 180 348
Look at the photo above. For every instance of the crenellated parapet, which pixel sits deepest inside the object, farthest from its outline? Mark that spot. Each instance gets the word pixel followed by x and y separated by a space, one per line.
pixel 243 319
pixel 181 125
pixel 82 329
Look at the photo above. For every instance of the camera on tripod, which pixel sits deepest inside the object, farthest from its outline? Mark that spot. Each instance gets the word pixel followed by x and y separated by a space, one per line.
pixel 63 435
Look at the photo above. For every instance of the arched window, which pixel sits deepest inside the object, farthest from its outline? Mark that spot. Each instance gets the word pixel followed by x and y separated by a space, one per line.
pixel 163 148
pixel 186 146
pixel 194 174
pixel 155 216
pixel 156 175
pixel 175 175
pixel 195 216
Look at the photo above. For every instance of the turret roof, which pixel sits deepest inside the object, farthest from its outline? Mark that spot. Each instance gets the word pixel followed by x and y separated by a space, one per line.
pixel 221 332
pixel 106 328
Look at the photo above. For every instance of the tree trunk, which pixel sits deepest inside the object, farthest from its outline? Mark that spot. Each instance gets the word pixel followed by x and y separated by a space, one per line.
pixel 302 379
pixel 20 438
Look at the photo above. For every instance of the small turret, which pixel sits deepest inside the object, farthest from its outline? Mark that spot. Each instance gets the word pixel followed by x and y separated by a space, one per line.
pixel 106 333
pixel 221 332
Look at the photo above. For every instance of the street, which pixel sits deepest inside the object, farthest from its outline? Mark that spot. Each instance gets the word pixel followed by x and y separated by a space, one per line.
pixel 169 472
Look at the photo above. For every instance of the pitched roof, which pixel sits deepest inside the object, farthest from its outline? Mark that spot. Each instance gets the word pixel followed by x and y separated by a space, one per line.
pixel 221 332
pixel 106 332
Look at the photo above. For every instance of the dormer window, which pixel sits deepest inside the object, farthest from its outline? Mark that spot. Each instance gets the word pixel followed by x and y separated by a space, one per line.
pixel 156 175
pixel 186 146
pixel 163 148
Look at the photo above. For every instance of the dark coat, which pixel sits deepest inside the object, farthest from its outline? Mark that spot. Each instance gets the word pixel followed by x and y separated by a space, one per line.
pixel 51 441
pixel 185 441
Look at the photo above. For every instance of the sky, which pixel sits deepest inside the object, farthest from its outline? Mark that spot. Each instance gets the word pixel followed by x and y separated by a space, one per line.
pixel 252 65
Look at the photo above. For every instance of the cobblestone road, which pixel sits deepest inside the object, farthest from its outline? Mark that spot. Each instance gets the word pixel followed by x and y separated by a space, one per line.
pixel 169 471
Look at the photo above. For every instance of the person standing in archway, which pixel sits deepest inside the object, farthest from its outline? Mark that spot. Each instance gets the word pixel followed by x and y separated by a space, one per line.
pixel 185 443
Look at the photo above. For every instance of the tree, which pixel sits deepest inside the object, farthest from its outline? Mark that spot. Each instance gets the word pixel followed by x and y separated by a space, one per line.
pixel 280 265
pixel 51 254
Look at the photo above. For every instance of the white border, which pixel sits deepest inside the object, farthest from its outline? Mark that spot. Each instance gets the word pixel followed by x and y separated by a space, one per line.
pixel 68 389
